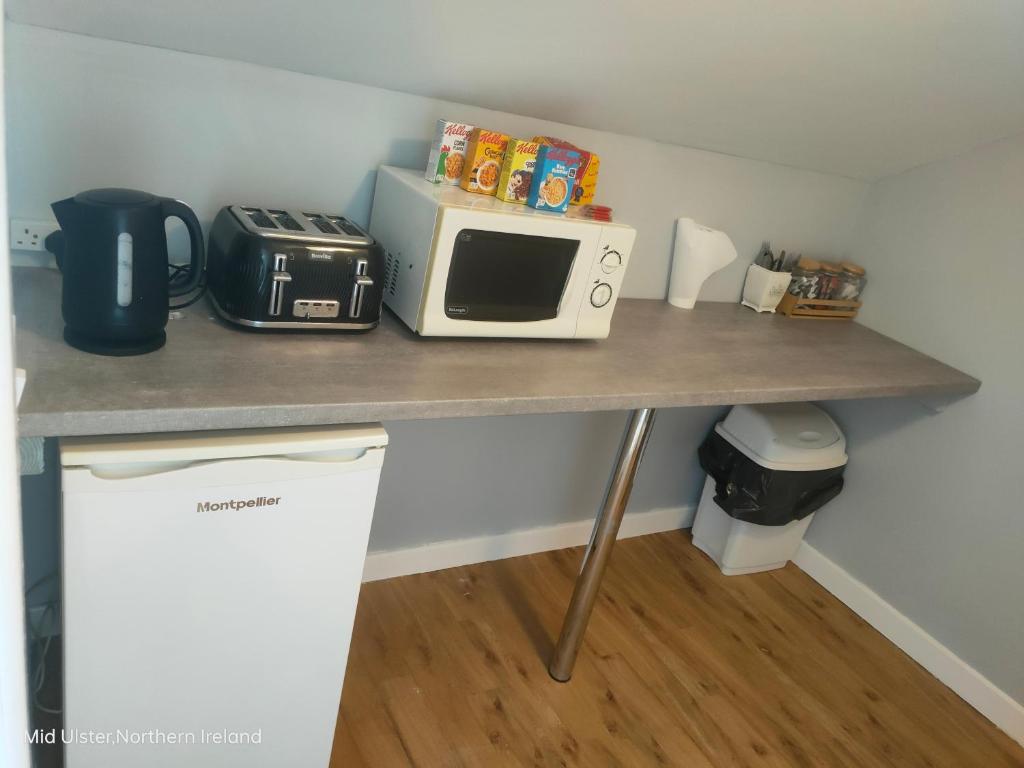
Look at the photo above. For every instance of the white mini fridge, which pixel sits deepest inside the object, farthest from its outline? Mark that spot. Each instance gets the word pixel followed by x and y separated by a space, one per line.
pixel 210 583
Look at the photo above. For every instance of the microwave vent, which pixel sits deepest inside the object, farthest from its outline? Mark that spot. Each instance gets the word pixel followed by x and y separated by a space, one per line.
pixel 391 273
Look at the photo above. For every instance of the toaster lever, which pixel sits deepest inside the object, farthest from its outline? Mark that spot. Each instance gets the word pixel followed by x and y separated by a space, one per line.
pixel 277 280
pixel 361 284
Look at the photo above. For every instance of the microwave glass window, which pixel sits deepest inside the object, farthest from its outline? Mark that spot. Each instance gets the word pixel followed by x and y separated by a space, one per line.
pixel 506 277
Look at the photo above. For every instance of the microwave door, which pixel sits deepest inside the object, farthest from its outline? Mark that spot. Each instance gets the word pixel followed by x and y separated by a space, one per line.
pixel 507 277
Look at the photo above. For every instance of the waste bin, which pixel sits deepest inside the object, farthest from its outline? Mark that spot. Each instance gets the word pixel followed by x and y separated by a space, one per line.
pixel 770 468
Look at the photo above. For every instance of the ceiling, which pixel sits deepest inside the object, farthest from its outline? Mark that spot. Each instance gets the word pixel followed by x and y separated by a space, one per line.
pixel 862 89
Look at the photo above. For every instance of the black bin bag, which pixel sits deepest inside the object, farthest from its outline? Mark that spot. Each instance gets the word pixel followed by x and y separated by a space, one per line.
pixel 755 494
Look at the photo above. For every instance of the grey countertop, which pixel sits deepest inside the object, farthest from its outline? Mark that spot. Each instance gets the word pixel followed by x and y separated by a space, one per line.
pixel 214 376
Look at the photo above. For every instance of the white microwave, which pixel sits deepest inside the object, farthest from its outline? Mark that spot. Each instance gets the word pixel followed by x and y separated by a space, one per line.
pixel 464 264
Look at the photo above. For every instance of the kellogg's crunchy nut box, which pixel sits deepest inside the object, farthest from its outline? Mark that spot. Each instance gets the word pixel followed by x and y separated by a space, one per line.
pixel 590 164
pixel 517 171
pixel 554 176
pixel 448 152
pixel 484 156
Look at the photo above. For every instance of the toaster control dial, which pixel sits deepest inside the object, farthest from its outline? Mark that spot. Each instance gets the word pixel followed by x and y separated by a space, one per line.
pixel 601 295
pixel 611 261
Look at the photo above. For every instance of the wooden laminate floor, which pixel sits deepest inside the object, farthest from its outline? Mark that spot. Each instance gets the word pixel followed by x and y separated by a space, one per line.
pixel 681 667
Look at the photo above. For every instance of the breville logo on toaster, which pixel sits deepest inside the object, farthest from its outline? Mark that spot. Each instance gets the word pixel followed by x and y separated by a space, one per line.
pixel 217 506
pixel 316 256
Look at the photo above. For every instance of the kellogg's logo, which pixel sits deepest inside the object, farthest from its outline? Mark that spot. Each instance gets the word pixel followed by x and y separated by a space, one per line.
pixel 491 137
pixel 457 129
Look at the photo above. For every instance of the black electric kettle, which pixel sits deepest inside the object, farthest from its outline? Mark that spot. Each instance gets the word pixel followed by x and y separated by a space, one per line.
pixel 116 273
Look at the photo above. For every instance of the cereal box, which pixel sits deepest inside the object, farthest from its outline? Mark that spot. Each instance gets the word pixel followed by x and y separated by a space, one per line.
pixel 484 156
pixel 554 177
pixel 590 164
pixel 448 152
pixel 517 171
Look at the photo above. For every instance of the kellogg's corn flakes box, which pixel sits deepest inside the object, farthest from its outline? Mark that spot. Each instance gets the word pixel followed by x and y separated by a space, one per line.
pixel 484 156
pixel 447 157
pixel 517 171
pixel 554 177
pixel 590 164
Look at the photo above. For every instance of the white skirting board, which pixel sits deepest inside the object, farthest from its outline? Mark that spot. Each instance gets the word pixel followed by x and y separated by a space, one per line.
pixel 448 554
pixel 958 675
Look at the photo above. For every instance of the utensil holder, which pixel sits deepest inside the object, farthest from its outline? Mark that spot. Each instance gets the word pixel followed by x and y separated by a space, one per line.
pixel 763 288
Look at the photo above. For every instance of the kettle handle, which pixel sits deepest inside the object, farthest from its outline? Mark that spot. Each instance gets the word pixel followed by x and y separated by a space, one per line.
pixel 197 260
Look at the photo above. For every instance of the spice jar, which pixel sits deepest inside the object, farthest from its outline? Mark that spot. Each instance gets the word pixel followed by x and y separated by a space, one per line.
pixel 854 278
pixel 830 279
pixel 806 276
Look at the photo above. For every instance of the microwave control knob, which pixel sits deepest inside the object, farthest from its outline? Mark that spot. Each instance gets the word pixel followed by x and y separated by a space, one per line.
pixel 611 261
pixel 601 295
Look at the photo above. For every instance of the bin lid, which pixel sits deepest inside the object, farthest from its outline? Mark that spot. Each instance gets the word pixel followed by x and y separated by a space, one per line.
pixel 787 436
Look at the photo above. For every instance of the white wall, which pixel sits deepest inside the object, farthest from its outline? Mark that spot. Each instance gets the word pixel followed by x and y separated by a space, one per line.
pixel 85 112
pixel 933 518
pixel 14 751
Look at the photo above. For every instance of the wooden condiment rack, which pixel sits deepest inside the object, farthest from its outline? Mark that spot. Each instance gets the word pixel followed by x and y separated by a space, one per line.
pixel 818 309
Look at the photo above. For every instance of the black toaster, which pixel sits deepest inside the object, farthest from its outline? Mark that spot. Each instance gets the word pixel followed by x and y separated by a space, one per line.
pixel 270 268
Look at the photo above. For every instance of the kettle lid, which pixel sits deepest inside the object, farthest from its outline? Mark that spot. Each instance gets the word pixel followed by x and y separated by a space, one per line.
pixel 114 197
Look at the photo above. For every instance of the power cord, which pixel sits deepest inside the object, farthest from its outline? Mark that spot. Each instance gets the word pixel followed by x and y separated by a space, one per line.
pixel 179 275
pixel 41 645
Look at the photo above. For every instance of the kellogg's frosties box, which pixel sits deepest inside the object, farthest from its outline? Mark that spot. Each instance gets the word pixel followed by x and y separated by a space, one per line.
pixel 484 156
pixel 590 164
pixel 554 177
pixel 448 152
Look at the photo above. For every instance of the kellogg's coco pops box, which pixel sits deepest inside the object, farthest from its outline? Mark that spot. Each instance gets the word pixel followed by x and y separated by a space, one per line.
pixel 590 164
pixel 484 156
pixel 517 171
pixel 554 177
pixel 448 152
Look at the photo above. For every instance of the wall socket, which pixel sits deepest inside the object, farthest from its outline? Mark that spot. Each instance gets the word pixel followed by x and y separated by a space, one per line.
pixel 29 234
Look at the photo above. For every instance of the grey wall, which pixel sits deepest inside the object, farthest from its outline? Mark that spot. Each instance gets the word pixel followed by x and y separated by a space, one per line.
pixel 933 516
pixel 84 112
pixel 862 89
pixel 456 478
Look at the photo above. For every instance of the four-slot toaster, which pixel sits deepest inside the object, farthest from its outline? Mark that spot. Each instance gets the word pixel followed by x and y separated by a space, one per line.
pixel 270 268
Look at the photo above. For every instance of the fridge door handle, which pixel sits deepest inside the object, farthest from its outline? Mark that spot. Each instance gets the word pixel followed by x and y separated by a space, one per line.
pixel 350 460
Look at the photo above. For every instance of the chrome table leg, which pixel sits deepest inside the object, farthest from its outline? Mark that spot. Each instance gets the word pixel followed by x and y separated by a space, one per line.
pixel 606 528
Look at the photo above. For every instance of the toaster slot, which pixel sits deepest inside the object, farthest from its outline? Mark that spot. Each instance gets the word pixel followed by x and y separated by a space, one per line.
pixel 260 219
pixel 320 222
pixel 285 220
pixel 346 226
